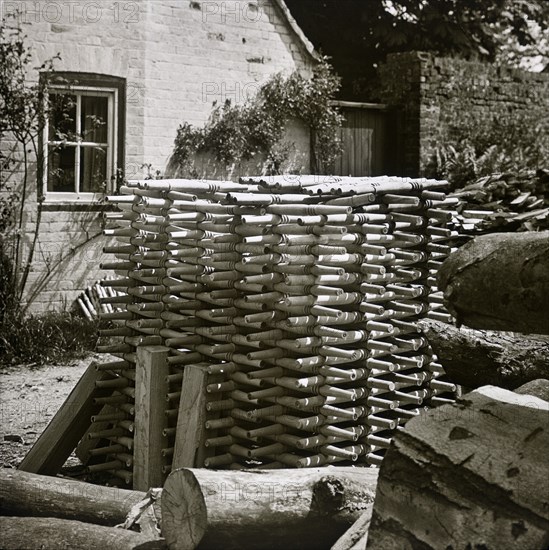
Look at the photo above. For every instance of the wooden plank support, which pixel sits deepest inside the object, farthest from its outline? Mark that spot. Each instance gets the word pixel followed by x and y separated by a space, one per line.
pixel 189 449
pixel 67 427
pixel 151 370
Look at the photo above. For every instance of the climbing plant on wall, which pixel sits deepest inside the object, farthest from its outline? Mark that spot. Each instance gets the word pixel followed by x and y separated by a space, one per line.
pixel 24 104
pixel 236 133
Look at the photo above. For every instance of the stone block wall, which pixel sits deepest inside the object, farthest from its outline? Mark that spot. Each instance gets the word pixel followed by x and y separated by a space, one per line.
pixel 67 255
pixel 434 96
pixel 203 52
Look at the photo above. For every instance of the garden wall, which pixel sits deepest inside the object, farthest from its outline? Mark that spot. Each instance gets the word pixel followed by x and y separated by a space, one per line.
pixel 435 97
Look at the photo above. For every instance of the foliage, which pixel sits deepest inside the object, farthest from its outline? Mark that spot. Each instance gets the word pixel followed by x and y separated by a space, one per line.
pixel 236 133
pixel 24 105
pixel 152 173
pixel 359 34
pixel 309 100
pixel 480 147
pixel 48 338
pixel 531 54
pixel 188 141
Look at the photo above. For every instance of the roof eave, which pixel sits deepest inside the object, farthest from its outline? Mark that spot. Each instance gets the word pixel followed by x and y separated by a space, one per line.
pixel 305 42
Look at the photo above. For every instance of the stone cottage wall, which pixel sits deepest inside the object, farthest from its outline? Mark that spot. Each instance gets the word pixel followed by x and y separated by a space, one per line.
pixel 433 96
pixel 177 57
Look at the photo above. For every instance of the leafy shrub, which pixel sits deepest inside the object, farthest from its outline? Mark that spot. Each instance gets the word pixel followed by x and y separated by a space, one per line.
pixel 481 147
pixel 48 338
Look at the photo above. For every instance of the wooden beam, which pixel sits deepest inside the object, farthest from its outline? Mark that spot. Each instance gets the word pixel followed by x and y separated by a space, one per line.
pixel 67 427
pixel 360 105
pixel 189 449
pixel 151 370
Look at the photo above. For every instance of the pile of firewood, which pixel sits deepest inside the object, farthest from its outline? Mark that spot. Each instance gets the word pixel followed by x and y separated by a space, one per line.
pixel 505 202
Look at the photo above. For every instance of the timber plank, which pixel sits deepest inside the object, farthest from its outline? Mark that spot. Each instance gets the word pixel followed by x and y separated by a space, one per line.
pixel 67 427
pixel 189 449
pixel 150 419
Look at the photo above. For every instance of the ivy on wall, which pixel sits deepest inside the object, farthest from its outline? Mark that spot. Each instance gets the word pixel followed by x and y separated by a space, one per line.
pixel 237 133
pixel 24 106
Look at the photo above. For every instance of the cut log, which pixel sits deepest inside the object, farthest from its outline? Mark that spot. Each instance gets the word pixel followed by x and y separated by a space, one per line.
pixel 24 494
pixel 263 509
pixel 539 388
pixel 469 475
pixel 475 358
pixel 63 534
pixel 499 282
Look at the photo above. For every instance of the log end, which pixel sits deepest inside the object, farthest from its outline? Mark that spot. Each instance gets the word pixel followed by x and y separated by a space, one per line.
pixel 184 513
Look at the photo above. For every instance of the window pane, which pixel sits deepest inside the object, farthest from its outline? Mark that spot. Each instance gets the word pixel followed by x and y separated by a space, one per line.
pixel 93 169
pixel 61 165
pixel 94 122
pixel 62 117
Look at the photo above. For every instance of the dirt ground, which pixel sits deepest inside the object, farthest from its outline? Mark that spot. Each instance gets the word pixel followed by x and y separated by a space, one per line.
pixel 29 398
